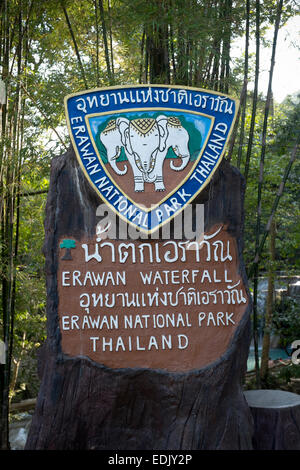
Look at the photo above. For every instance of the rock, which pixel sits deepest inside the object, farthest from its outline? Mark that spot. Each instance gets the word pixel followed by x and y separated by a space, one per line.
pixel 18 430
pixel 294 290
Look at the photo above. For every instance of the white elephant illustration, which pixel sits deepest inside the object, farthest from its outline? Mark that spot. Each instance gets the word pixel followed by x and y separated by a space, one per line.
pixel 178 139
pixel 111 139
pixel 146 142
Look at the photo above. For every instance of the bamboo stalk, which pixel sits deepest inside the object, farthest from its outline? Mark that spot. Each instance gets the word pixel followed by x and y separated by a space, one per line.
pixel 244 104
pixel 142 56
pixel 254 268
pixel 97 43
pixel 24 30
pixel 74 42
pixel 264 366
pixel 260 185
pixel 5 187
pixel 225 56
pixel 171 39
pixel 14 205
pixel 105 42
pixel 279 193
pixel 234 133
pixel 111 43
pixel 255 91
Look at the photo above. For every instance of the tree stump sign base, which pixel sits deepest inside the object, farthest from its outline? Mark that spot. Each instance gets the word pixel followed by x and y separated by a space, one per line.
pixel 276 415
pixel 83 404
pixel 147 339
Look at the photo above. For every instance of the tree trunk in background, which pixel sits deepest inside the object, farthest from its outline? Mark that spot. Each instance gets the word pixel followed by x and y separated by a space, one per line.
pixel 244 104
pixel 158 48
pixel 74 43
pixel 4 217
pixel 10 176
pixel 105 42
pixel 293 156
pixel 97 43
pixel 260 187
pixel 226 41
pixel 255 91
pixel 269 308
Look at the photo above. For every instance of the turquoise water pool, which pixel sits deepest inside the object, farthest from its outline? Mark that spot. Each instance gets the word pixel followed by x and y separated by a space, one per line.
pixel 273 355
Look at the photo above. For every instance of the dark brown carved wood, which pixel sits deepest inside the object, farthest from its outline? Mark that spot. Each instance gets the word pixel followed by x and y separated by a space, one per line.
pixel 85 405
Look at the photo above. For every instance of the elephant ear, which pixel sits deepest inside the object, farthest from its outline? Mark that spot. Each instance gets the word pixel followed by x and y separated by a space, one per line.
pixel 162 122
pixel 123 126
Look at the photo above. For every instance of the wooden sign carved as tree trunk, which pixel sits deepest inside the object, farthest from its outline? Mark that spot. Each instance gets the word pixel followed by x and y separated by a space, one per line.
pixel 147 339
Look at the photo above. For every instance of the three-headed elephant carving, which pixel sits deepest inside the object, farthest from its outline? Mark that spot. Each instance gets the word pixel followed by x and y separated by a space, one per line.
pixel 146 142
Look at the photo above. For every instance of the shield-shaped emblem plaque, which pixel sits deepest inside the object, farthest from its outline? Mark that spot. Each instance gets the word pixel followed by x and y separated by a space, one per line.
pixel 148 150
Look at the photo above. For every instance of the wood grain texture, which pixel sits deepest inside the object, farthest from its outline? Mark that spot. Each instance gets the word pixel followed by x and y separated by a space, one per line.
pixel 84 405
pixel 276 415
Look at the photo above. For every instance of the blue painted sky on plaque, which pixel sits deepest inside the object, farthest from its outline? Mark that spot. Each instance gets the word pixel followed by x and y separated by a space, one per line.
pixel 148 150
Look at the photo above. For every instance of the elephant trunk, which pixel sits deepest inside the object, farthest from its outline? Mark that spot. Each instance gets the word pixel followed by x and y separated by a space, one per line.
pixel 149 179
pixel 147 168
pixel 185 161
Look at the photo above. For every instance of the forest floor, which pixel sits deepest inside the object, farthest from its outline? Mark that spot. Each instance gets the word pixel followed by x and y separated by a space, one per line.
pixel 283 375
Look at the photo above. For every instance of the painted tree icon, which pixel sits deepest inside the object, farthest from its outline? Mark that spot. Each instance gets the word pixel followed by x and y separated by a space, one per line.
pixel 67 244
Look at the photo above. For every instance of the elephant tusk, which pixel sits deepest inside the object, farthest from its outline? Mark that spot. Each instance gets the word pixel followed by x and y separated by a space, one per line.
pixel 184 161
pixel 117 154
